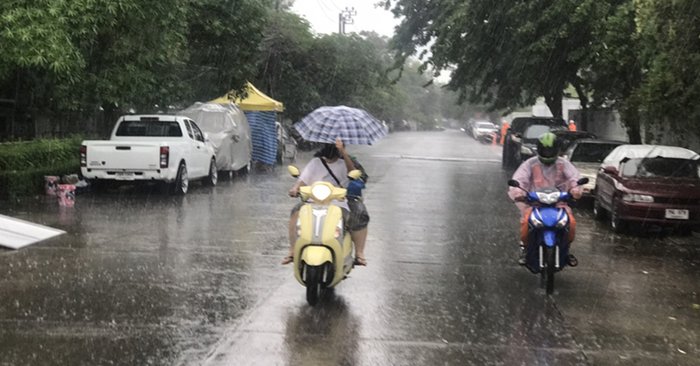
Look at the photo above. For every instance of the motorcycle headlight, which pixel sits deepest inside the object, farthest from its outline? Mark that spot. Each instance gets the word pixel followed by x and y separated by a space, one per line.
pixel 535 221
pixel 563 221
pixel 548 198
pixel 637 198
pixel 320 192
pixel 526 150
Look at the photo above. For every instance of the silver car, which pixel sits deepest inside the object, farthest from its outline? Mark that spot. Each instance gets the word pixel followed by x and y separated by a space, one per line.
pixel 586 155
pixel 228 131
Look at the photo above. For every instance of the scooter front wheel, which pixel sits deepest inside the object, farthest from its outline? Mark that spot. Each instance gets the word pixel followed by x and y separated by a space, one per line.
pixel 314 284
pixel 549 269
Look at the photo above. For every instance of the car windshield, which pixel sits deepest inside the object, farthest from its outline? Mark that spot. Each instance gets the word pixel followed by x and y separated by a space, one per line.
pixel 150 129
pixel 591 153
pixel 661 168
pixel 536 131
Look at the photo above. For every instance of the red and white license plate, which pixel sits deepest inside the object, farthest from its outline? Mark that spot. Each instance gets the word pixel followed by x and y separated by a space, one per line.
pixel 676 214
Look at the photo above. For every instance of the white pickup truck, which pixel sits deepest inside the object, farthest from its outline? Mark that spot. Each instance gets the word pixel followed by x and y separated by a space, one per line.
pixel 167 148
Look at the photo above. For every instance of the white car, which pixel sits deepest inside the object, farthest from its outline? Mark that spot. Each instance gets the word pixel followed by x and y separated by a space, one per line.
pixel 482 128
pixel 166 148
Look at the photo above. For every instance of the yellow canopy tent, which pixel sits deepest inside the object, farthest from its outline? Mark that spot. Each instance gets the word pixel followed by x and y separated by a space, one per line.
pixel 254 101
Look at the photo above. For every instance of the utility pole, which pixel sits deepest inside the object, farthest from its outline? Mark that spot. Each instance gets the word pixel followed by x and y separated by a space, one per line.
pixel 345 17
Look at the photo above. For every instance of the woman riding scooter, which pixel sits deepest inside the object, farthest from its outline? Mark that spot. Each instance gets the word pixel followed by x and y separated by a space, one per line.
pixel 546 170
pixel 327 166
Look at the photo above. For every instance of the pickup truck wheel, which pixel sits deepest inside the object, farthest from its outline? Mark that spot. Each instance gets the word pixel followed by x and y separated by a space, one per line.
pixel 213 176
pixel 182 183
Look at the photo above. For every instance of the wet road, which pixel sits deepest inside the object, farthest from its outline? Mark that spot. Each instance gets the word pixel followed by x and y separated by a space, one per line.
pixel 143 278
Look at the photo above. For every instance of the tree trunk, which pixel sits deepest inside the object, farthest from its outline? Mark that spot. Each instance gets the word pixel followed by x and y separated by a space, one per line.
pixel 583 99
pixel 554 101
pixel 630 119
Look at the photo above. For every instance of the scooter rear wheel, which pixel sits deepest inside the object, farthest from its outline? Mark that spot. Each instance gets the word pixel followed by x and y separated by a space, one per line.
pixel 314 284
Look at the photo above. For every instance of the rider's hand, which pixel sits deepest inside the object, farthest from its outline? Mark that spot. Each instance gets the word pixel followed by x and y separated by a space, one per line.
pixel 294 191
pixel 576 193
pixel 339 144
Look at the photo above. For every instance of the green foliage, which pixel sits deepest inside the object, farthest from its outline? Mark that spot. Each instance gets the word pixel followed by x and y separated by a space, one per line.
pixel 23 165
pixel 504 53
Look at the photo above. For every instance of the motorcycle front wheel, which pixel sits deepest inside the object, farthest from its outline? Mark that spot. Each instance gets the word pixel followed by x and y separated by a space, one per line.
pixel 549 254
pixel 314 284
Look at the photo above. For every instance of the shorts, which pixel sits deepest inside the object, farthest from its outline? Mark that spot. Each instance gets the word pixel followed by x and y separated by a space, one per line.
pixel 355 219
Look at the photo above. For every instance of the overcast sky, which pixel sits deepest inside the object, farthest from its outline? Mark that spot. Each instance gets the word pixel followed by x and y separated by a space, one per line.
pixel 323 16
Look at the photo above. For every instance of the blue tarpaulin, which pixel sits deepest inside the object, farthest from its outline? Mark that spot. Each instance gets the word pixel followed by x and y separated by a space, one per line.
pixel 263 135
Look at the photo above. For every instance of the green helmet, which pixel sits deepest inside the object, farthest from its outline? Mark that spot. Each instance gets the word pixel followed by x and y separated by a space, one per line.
pixel 548 146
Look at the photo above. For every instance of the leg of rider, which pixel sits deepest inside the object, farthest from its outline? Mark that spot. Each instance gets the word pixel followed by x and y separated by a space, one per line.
pixel 359 237
pixel 292 231
pixel 524 225
pixel 572 224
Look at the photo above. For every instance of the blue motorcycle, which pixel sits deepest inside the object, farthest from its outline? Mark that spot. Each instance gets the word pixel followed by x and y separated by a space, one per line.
pixel 548 229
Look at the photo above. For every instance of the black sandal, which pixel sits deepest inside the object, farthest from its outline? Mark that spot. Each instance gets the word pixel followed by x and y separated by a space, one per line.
pixel 360 261
pixel 288 259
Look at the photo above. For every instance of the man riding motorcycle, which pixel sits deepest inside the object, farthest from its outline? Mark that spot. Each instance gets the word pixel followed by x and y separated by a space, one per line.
pixel 546 170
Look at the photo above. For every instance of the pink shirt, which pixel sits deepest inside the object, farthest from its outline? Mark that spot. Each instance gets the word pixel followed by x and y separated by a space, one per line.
pixel 562 174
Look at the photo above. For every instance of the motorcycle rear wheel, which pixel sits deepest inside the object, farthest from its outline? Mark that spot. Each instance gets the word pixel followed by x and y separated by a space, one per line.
pixel 314 284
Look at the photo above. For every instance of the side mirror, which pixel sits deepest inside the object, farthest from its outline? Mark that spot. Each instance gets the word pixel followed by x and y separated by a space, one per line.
pixel 514 183
pixel 293 171
pixel 355 174
pixel 610 170
pixel 582 181
pixel 206 136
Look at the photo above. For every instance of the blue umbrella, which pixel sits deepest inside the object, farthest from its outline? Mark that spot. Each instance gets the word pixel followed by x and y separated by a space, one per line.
pixel 352 125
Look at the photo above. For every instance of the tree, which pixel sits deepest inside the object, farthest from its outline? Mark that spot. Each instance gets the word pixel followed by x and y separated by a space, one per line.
pixel 504 53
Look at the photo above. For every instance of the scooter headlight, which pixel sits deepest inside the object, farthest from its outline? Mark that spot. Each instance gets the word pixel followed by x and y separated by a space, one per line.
pixel 563 222
pixel 548 198
pixel 320 191
pixel 298 227
pixel 536 222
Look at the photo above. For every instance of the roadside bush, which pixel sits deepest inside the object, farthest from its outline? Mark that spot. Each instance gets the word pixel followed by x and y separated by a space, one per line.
pixel 23 165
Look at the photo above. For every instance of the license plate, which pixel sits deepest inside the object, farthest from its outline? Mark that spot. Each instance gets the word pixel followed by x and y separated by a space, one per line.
pixel 124 175
pixel 676 214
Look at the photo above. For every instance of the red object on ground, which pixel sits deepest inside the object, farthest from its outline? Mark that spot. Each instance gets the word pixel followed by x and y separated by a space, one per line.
pixel 66 195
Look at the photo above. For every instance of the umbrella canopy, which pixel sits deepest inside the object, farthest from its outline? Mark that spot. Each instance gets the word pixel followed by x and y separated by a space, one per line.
pixel 352 125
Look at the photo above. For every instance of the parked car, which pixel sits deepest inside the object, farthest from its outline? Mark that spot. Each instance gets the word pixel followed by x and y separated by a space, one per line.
pixel 527 142
pixel 513 153
pixel 166 148
pixel 649 184
pixel 483 128
pixel 587 155
pixel 229 134
pixel 567 137
pixel 286 145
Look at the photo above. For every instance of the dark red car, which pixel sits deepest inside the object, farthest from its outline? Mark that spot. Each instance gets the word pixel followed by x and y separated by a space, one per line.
pixel 651 185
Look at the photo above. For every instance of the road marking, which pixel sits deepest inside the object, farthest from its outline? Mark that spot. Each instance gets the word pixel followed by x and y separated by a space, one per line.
pixel 437 158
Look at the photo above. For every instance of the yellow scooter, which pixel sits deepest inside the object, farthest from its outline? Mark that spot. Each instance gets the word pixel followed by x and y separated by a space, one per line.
pixel 323 251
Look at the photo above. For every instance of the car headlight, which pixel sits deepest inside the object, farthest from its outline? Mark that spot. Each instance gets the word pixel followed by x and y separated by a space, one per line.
pixel 320 192
pixel 637 198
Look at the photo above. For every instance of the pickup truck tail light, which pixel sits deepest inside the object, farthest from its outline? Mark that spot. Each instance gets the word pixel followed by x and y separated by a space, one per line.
pixel 83 155
pixel 164 156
